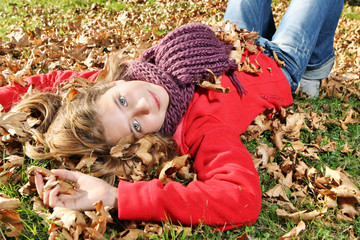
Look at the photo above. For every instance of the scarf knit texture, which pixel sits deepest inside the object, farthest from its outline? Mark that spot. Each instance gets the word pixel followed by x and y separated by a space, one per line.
pixel 178 62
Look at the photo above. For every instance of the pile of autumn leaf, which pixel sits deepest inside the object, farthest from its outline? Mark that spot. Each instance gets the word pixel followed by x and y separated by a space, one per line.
pixel 85 47
pixel 329 188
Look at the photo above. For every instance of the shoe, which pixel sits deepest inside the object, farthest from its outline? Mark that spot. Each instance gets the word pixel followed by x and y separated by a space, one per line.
pixel 310 87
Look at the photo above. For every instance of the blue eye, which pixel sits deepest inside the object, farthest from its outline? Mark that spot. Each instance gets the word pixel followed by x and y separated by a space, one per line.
pixel 122 101
pixel 136 126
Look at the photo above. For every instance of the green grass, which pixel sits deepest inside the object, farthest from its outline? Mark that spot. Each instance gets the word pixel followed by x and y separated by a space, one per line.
pixel 29 14
pixel 352 12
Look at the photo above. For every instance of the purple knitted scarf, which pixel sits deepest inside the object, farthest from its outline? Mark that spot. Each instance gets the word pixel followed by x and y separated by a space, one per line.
pixel 178 62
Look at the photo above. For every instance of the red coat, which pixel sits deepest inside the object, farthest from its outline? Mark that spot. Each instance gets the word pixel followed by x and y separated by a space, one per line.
pixel 227 192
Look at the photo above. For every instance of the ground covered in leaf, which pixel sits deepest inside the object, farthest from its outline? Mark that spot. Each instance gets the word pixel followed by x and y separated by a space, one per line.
pixel 307 155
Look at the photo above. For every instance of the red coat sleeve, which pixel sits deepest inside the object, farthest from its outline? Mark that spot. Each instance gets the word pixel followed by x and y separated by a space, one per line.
pixel 227 192
pixel 44 82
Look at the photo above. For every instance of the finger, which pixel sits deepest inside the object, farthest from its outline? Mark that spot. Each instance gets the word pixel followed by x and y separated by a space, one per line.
pixel 39 183
pixel 46 190
pixel 49 184
pixel 53 196
pixel 49 181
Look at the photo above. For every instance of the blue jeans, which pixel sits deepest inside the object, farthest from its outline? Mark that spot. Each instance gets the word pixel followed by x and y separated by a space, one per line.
pixel 304 39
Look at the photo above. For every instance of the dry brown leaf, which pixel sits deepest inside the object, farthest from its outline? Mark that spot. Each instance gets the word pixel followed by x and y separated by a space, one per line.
pixel 86 162
pixel 9 203
pixel 352 235
pixel 243 236
pixel 350 117
pixel 298 146
pixel 287 165
pixel 277 195
pixel 260 124
pixel 311 153
pixel 287 181
pixel 345 188
pixel 277 192
pixel 301 215
pixel 153 229
pixel 170 168
pixel 99 218
pixel 213 87
pixel 299 191
pixel 39 208
pixel 274 169
pixel 119 149
pixel 143 151
pixel 12 221
pixel 65 187
pixel 14 123
pixel 213 83
pixel 294 232
pixel 43 171
pixel 278 139
pixel 13 161
pixel 347 206
pixel 316 121
pixel 69 218
pixel 69 95
pixel 279 62
pixel 131 234
pixel 294 123
pixel 93 234
pixel 265 152
pixel 346 149
pixel 329 147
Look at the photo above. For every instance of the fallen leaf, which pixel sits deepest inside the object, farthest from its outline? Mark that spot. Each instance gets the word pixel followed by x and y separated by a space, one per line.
pixel 9 203
pixel 265 152
pixel 169 169
pixel 294 232
pixel 12 221
pixel 301 215
pixel 69 218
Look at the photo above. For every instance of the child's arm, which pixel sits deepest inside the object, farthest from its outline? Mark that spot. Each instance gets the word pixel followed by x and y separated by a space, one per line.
pixel 43 82
pixel 227 192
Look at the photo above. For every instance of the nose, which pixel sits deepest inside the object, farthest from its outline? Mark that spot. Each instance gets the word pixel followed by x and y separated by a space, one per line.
pixel 142 107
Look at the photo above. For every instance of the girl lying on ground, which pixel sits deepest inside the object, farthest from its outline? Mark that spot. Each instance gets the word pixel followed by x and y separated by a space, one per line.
pixel 159 93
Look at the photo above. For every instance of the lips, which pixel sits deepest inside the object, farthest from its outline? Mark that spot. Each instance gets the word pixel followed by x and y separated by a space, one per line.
pixel 156 98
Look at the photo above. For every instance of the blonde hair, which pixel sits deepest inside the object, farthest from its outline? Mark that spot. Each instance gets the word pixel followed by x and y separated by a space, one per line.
pixel 67 128
pixel 70 127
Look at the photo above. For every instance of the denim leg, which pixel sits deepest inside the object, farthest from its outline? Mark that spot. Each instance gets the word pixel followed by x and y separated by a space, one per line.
pixel 323 57
pixel 302 29
pixel 253 15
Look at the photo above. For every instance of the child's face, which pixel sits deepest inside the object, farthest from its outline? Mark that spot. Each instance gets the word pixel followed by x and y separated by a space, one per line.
pixel 132 107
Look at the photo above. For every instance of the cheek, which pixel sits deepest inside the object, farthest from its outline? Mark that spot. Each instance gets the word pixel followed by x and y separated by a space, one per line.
pixel 153 123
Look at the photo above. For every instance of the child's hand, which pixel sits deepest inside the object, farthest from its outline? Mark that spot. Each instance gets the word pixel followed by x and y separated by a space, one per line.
pixel 87 191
